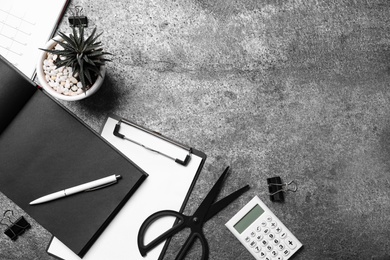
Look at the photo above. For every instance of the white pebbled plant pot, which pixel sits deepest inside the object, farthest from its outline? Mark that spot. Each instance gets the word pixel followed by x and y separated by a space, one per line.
pixel 57 94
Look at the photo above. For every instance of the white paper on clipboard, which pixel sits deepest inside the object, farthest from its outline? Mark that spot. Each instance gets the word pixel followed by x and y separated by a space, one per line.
pixel 166 187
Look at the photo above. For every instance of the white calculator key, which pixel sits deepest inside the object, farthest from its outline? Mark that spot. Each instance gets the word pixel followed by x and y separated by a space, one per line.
pixel 281 246
pixel 271 236
pixel 259 237
pixel 278 230
pixel 286 252
pixel 253 244
pixel 266 231
pixel 290 243
pixel 262 233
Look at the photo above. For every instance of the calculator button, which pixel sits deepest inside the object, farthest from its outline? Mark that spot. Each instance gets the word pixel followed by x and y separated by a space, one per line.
pixel 290 243
pixel 258 229
pixel 263 223
pixel 269 248
pixel 271 236
pixel 278 230
pixel 247 239
pixel 279 257
pixel 275 241
pixel 274 253
pixel 266 231
pixel 264 242
pixel 253 244
pixel 286 252
pixel 257 249
pixel 259 237
pixel 262 254
pixel 269 218
pixel 253 234
pixel 281 246
pixel 283 235
pixel 267 258
pixel 273 224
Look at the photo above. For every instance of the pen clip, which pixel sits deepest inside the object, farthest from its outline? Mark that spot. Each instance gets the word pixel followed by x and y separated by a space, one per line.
pixel 102 186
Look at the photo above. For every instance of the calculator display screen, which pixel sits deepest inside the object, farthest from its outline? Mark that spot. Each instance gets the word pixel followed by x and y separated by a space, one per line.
pixel 249 218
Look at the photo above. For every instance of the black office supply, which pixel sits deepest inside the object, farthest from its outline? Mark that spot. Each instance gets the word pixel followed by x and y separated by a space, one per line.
pixel 77 19
pixel 177 160
pixel 14 228
pixel 207 209
pixel 276 188
pixel 45 148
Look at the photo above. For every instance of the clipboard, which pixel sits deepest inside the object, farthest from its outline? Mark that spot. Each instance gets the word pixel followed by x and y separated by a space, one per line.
pixel 168 186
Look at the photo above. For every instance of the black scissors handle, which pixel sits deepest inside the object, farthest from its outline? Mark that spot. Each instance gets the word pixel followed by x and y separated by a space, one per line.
pixel 195 234
pixel 183 220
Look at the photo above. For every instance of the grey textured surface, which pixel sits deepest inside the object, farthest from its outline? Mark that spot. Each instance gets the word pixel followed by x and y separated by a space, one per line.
pixel 296 88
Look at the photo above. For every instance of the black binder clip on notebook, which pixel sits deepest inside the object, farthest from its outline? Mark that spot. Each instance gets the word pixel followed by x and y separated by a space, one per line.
pixel 276 188
pixel 183 162
pixel 15 228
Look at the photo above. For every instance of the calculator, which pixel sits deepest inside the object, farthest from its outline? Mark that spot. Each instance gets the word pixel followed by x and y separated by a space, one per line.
pixel 262 233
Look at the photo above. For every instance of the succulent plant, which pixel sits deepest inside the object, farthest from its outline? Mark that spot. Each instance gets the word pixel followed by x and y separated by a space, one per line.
pixel 84 55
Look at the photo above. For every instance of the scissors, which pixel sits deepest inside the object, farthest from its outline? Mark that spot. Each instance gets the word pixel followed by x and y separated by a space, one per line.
pixel 205 211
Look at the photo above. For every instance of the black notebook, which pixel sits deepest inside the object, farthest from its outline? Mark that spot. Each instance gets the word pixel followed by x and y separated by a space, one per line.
pixel 45 148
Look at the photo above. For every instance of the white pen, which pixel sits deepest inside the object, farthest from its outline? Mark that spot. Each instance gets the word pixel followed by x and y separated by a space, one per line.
pixel 93 185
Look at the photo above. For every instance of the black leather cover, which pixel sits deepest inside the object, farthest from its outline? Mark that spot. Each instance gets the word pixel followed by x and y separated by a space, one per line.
pixel 44 148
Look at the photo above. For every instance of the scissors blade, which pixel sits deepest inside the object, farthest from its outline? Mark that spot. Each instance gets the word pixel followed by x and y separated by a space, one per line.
pixel 222 203
pixel 204 207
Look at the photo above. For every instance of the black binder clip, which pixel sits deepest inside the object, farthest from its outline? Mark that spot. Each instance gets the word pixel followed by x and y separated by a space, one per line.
pixel 276 188
pixel 77 19
pixel 16 228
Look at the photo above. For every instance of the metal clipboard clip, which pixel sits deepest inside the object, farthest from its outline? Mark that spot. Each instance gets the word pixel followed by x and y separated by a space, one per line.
pixel 177 160
pixel 276 188
pixel 16 228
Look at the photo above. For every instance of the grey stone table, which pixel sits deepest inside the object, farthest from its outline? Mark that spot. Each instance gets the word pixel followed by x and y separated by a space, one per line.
pixel 297 89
